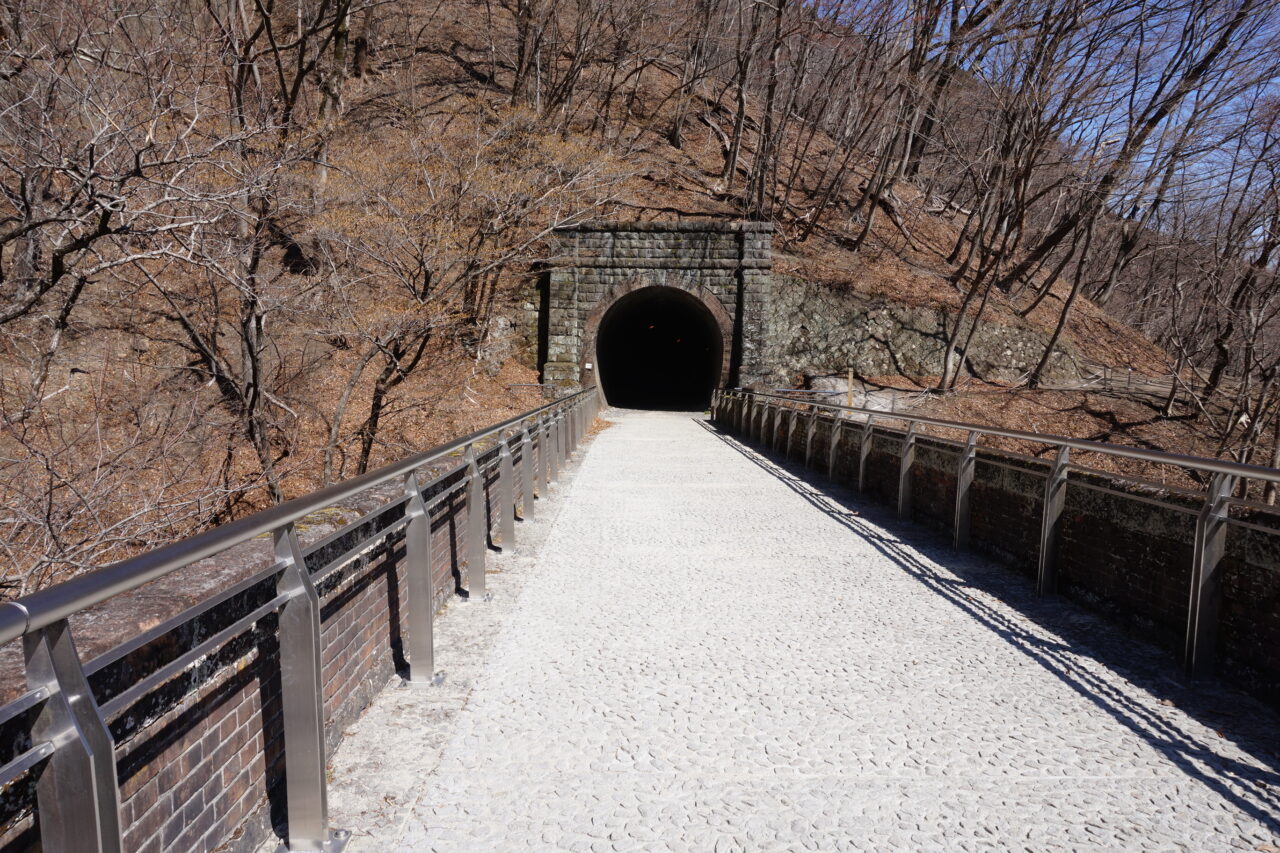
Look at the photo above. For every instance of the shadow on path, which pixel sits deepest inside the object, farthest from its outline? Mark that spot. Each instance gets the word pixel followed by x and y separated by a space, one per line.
pixel 1069 643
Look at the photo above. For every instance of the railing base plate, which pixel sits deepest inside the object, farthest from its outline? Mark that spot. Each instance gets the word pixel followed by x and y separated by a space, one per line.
pixel 434 681
pixel 336 843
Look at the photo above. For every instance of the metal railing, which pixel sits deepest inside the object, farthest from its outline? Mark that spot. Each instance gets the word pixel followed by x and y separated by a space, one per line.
pixel 759 415
pixel 77 793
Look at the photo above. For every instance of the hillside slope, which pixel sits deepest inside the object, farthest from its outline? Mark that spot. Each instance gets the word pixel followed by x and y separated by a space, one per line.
pixel 228 287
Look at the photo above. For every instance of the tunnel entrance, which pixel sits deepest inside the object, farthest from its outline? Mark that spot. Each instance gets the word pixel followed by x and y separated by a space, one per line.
pixel 659 348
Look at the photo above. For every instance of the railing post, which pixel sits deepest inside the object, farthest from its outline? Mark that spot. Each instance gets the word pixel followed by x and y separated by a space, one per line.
pixel 791 431
pixel 864 451
pixel 544 461
pixel 302 701
pixel 527 475
pixel 477 527
pixel 553 443
pixel 562 455
pixel 1206 591
pixel 964 480
pixel 557 450
pixel 77 792
pixel 417 538
pixel 506 495
pixel 1055 495
pixel 907 460
pixel 833 443
pixel 808 439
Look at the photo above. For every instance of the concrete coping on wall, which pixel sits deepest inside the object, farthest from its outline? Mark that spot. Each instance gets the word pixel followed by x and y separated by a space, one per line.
pixel 713 226
pixel 659 263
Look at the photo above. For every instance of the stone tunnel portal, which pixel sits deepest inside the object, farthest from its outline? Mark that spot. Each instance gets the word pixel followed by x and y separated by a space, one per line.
pixel 659 348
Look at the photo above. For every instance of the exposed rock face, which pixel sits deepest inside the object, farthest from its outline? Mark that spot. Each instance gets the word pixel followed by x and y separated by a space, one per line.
pixel 812 329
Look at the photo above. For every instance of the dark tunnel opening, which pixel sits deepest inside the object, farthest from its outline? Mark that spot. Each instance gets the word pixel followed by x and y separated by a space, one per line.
pixel 659 348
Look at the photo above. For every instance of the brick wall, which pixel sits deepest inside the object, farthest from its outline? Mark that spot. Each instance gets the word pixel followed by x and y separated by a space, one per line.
pixel 200 759
pixel 1123 550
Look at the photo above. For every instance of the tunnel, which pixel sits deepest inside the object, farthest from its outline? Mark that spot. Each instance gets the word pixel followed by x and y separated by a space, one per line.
pixel 659 348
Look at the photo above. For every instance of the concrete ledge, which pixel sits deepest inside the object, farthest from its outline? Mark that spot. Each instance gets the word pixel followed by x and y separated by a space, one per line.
pixel 713 226
pixel 660 263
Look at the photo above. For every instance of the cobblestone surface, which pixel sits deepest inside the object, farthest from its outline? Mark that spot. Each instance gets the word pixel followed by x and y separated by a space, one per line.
pixel 696 650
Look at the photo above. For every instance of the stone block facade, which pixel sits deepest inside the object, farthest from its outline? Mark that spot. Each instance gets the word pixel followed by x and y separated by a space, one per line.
pixel 726 265
pixel 814 329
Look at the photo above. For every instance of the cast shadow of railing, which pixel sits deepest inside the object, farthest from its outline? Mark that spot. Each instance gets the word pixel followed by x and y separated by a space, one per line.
pixel 1063 638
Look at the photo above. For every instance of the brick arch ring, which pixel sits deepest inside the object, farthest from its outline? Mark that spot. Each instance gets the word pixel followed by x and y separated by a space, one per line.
pixel 698 294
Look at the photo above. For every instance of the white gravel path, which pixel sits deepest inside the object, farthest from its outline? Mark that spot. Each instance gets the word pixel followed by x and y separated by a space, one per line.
pixel 697 651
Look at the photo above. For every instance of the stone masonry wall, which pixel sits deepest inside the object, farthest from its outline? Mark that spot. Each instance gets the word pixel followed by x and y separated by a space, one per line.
pixel 778 328
pixel 726 265
pixel 813 329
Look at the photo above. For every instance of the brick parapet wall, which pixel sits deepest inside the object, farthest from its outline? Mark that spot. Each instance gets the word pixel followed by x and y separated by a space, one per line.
pixel 1117 554
pixel 200 758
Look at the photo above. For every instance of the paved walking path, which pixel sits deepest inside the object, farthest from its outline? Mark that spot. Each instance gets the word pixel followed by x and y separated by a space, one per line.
pixel 699 652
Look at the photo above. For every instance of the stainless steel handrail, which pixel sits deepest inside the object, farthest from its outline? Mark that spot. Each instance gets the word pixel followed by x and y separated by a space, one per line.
pixel 1199 463
pixel 46 606
pixel 757 415
pixel 77 792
